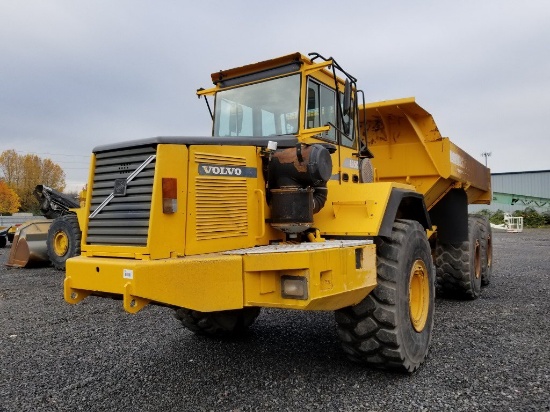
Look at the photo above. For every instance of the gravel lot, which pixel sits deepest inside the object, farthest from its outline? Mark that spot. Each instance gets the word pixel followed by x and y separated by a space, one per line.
pixel 489 354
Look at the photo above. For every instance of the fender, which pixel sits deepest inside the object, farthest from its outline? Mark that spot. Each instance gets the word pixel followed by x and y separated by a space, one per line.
pixel 404 204
pixel 450 215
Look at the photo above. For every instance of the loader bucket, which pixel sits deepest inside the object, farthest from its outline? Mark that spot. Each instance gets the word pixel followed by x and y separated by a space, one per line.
pixel 29 245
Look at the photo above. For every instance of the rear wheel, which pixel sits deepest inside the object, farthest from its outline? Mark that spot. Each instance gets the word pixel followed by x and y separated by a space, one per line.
pixel 3 241
pixel 458 265
pixel 63 240
pixel 486 245
pixel 220 324
pixel 392 327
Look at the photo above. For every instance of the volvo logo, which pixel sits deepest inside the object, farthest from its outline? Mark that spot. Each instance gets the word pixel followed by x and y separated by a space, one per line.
pixel 222 170
pixel 226 171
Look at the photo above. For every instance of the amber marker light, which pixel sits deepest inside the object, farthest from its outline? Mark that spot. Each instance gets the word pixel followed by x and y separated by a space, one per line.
pixel 169 195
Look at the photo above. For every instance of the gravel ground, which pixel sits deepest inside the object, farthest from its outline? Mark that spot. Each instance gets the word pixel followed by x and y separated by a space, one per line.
pixel 489 354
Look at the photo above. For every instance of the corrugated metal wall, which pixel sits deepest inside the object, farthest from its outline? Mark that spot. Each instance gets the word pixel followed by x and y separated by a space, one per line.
pixel 523 183
pixel 535 183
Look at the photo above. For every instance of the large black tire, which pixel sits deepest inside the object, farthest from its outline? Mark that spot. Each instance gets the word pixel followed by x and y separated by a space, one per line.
pixel 63 240
pixel 392 327
pixel 220 324
pixel 458 265
pixel 3 241
pixel 486 249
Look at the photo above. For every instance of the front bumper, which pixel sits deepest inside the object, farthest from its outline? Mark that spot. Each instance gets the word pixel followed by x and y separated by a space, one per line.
pixel 337 274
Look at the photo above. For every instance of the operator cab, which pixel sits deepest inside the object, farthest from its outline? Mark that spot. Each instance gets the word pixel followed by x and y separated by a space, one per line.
pixel 291 95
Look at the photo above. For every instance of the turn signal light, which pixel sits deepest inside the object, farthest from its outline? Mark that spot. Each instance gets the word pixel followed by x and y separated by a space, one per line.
pixel 169 195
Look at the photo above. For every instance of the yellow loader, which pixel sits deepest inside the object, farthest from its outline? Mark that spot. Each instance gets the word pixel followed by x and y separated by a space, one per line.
pixel 51 241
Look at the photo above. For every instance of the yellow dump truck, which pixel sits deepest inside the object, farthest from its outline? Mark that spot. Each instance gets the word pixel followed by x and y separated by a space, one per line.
pixel 305 198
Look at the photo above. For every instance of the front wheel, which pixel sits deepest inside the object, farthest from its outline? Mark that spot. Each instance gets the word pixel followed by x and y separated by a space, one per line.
pixel 63 240
pixel 392 327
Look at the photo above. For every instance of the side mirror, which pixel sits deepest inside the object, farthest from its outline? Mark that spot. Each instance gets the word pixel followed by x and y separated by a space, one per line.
pixel 346 107
pixel 347 98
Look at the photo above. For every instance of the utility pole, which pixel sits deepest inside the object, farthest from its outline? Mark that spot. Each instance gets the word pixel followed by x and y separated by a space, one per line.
pixel 486 155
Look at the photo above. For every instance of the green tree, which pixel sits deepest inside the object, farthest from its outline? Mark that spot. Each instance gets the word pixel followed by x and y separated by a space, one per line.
pixel 531 218
pixel 497 218
pixel 485 212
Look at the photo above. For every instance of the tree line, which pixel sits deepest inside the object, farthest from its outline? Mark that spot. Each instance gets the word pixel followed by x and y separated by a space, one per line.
pixel 20 175
pixel 531 218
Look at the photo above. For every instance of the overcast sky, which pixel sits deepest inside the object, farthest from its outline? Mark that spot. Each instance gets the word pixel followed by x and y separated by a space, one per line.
pixel 77 74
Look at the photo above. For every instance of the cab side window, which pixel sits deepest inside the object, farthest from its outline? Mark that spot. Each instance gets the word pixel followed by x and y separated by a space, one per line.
pixel 321 107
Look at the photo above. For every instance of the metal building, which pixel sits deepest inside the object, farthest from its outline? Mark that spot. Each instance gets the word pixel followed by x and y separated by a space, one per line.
pixel 518 190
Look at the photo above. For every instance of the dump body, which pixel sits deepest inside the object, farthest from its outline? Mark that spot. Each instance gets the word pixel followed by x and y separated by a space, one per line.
pixel 409 148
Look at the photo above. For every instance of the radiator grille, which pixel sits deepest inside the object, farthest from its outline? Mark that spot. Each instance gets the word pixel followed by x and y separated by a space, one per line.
pixel 125 219
pixel 221 202
pixel 218 159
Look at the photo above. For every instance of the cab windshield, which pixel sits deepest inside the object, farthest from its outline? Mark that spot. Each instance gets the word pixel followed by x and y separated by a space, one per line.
pixel 261 109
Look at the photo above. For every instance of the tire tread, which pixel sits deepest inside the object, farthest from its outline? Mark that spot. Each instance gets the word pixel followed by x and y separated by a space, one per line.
pixel 370 332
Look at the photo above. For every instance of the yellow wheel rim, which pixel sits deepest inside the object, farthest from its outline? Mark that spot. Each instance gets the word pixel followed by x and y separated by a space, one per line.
pixel 60 243
pixel 419 295
pixel 477 260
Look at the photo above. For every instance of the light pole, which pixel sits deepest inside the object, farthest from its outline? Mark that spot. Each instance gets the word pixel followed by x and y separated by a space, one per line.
pixel 486 155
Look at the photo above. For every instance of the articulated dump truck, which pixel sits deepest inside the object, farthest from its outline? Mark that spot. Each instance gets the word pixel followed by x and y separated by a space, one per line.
pixel 305 198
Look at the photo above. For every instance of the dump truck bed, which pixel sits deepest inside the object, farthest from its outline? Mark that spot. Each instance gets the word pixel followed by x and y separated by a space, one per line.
pixel 408 148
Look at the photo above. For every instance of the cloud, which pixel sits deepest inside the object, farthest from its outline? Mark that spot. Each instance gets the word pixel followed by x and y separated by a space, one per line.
pixel 79 74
